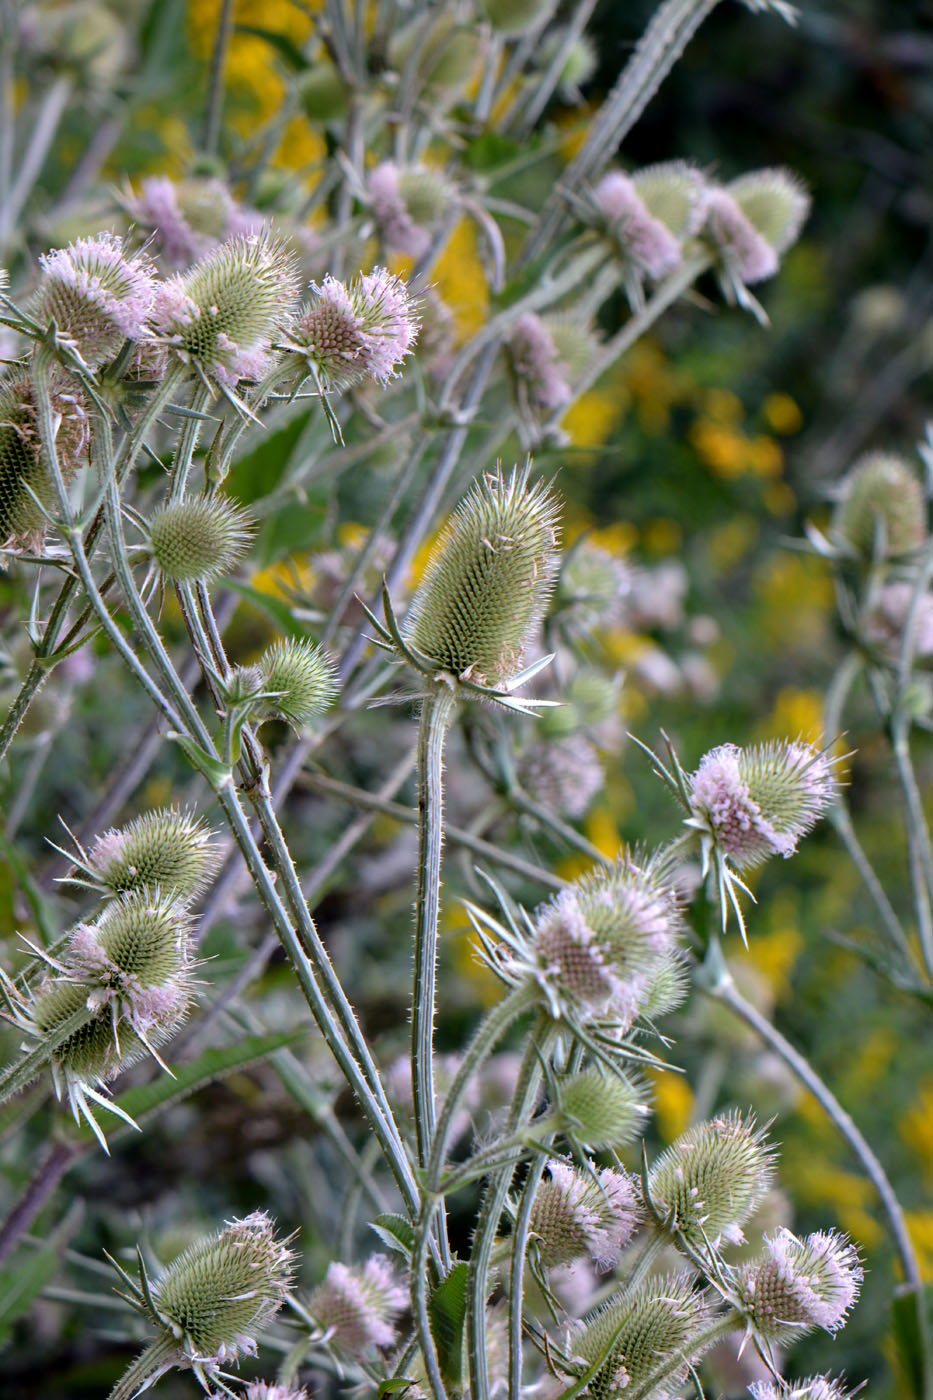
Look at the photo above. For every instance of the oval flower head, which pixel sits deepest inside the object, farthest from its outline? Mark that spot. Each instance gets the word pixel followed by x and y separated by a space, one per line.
pixel 757 802
pixel 210 1302
pixel 487 583
pixel 407 204
pixel 361 330
pixel 96 295
pixel 882 504
pixel 751 222
pixel 357 1307
pixel 799 1285
pixel 584 1215
pixel 813 1388
pixel 642 238
pixel 168 848
pixel 23 472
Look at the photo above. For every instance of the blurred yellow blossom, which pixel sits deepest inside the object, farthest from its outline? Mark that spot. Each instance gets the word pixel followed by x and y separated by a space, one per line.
pixel 460 281
pixel 782 414
pixel 673 1103
pixel 662 536
pixel 798 594
pixel 916 1126
pixel 796 714
pixel 920 1228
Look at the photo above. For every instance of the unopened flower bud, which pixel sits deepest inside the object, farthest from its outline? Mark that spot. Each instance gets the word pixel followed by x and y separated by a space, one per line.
pixel 813 1388
pixel 580 63
pixel 96 295
pixel 166 848
pixel 358 1307
pixel 198 539
pixel 711 1179
pixel 223 314
pixel 488 579
pixel 447 54
pixel 881 498
pixel 758 802
pixel 516 16
pixel 363 330
pixel 799 1285
pixel 300 679
pixel 578 1215
pixel 637 1331
pixel 603 1110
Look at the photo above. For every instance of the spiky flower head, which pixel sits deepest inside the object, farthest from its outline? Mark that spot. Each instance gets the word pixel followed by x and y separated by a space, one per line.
pixel 299 678
pixel 189 218
pixel 96 295
pixel 265 1390
pixel 581 1214
pixel 358 1307
pixel 813 1388
pixel 754 219
pixel 708 1182
pixel 798 1285
pixel 363 330
pixel 199 539
pixel 540 371
pixel 673 191
pixel 882 497
pixel 580 62
pixel 757 802
pixel 213 1299
pixel 446 54
pixel 166 848
pixel 23 474
pixel 516 16
pixel 593 587
pixel 638 235
pixel 223 314
pixel 488 580
pixel 602 942
pixel 603 1110
pixel 643 1329
pixel 564 774
pixel 406 204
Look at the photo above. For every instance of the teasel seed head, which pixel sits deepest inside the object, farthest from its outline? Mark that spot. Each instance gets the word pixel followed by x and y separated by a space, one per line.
pixel 643 1328
pixel 599 943
pixel 488 580
pixel 166 848
pixel 358 1307
pixel 188 218
pixel 356 331
pixel 797 1285
pixel 882 493
pixel 673 191
pixel 603 1110
pixel 300 679
pixel 223 314
pixel 537 364
pixel 213 1299
pixel 712 1178
pixel 199 539
pixel 322 93
pixel 96 294
pixel 813 1388
pixel 564 773
pixel 23 473
pixel 580 1214
pixel 757 802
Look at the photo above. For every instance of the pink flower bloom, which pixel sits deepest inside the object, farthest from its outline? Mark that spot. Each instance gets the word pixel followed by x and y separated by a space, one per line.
pixel 888 618
pixel 537 363
pixel 813 1388
pixel 643 238
pixel 399 231
pixel 358 1307
pixel 577 1217
pixel 746 252
pixel 364 330
pixel 189 219
pixel 96 295
pixel 798 1285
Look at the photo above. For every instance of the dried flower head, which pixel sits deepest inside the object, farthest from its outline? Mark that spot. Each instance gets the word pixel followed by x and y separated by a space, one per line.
pixel 757 802
pixel 210 1302
pixel 171 849
pixel 199 539
pixel 798 1285
pixel 23 474
pixel 813 1388
pixel 407 204
pixel 708 1182
pixel 541 373
pixel 299 679
pixel 755 219
pixel 603 1110
pixel 488 579
pixel 580 1214
pixel 600 944
pixel 357 1307
pixel 640 237
pixel 223 314
pixel 881 499
pixel 348 333
pixel 642 1329
pixel 96 295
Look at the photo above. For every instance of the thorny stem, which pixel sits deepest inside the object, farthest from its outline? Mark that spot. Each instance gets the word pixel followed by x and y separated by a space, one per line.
pixel 37 1192
pixel 150 1364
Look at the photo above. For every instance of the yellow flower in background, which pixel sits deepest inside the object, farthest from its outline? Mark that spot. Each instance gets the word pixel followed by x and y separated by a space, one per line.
pixel 460 281
pixel 920 1229
pixel 797 713
pixel 589 421
pixel 673 1103
pixel 798 596
pixel 782 414
pixel 916 1127
pixel 730 542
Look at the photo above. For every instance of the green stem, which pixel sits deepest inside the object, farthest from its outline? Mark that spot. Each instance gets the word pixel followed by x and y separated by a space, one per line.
pixel 215 94
pixel 436 715
pixel 23 1071
pixel 148 1366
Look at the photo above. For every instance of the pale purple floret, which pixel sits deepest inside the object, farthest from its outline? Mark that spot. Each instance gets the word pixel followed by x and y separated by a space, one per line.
pixel 813 1388
pixel 646 240
pixel 358 1307
pixel 537 363
pixel 364 330
pixel 400 233
pixel 263 1390
pixel 802 1284
pixel 157 208
pixel 96 295
pixel 748 255
pixel 144 1007
pixel 720 794
pixel 106 849
pixel 577 1217
pixel 888 618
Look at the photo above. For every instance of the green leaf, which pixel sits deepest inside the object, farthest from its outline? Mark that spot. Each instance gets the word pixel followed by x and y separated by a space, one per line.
pixel 490 150
pixel 38 903
pixel 912 1314
pixel 395 1232
pixel 394 1386
pixel 26 1275
pixel 154 1098
pixel 277 608
pixel 447 1311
